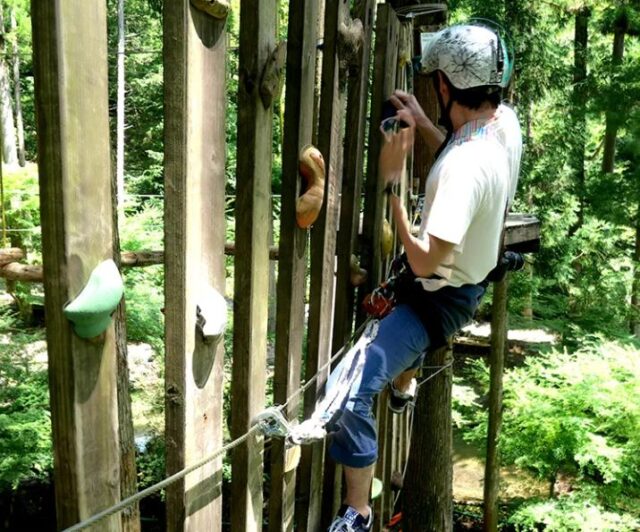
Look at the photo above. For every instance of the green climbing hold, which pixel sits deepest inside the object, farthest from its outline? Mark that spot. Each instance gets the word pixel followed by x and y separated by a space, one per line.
pixel 91 311
pixel 376 488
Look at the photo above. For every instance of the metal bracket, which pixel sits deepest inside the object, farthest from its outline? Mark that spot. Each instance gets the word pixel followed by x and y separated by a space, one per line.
pixel 272 423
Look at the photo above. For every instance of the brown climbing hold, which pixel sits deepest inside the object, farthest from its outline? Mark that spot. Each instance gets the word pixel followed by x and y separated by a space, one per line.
pixel 358 274
pixel 216 8
pixel 311 168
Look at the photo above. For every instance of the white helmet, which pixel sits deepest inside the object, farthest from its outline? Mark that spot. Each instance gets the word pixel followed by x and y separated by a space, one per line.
pixel 470 56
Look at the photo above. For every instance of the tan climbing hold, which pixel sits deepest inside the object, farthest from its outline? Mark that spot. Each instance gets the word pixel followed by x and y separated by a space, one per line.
pixel 309 204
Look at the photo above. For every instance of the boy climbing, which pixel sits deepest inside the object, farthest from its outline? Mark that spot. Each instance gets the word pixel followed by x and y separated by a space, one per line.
pixel 467 193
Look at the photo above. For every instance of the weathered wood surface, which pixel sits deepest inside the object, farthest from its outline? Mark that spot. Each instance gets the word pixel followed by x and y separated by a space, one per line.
pixel 384 83
pixel 496 364
pixel 71 93
pixel 353 176
pixel 251 289
pixel 427 493
pixel 194 63
pixel 350 208
pixel 8 255
pixel 290 312
pixel 522 232
pixel 323 246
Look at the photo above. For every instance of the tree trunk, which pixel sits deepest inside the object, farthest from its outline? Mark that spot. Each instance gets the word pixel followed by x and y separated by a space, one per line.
pixel 427 492
pixel 120 114
pixel 492 464
pixel 612 118
pixel 16 90
pixel 579 106
pixel 9 155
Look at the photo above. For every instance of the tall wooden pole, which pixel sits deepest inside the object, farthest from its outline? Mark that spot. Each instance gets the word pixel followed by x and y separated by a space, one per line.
pixel 194 140
pixel 70 65
pixel 496 362
pixel 251 289
pixel 298 132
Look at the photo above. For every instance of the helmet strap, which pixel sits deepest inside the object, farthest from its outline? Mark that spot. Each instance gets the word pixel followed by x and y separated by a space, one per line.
pixel 445 116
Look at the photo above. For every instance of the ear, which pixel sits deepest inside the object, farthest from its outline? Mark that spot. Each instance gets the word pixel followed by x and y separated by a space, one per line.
pixel 442 86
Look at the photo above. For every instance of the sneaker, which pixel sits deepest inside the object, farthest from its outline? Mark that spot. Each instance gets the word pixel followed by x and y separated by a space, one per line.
pixel 350 520
pixel 398 400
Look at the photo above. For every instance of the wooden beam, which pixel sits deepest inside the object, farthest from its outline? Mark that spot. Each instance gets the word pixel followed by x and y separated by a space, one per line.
pixel 71 93
pixel 290 312
pixel 251 292
pixel 194 111
pixel 496 364
pixel 8 255
pixel 323 247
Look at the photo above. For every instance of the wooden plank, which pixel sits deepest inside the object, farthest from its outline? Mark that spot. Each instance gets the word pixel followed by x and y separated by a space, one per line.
pixel 323 246
pixel 383 465
pixel 71 92
pixel 496 364
pixel 384 83
pixel 353 176
pixel 290 312
pixel 194 63
pixel 251 287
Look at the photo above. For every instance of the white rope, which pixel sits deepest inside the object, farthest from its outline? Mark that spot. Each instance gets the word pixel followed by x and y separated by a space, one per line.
pixel 162 484
pixel 183 473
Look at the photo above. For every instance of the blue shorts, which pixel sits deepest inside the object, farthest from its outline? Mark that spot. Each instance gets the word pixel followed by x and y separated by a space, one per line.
pixel 401 343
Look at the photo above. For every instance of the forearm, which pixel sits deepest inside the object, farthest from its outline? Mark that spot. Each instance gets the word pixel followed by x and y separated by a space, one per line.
pixel 431 134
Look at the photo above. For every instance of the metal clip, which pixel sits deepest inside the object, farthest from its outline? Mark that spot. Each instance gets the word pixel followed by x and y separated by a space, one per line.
pixel 272 423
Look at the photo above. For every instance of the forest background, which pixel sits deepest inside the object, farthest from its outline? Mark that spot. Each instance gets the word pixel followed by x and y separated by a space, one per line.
pixel 572 411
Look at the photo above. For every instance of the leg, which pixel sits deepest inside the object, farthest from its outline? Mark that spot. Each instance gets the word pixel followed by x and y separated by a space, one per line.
pixel 358 480
pixel 400 341
pixel 402 381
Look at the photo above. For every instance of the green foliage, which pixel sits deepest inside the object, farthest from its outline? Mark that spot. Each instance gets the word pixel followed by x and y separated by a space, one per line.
pixel 22 206
pixel 150 462
pixel 571 413
pixel 144 287
pixel 571 513
pixel 25 425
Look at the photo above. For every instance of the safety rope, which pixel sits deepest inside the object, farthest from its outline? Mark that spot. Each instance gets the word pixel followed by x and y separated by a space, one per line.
pixel 223 450
pixel 162 484
pixel 229 446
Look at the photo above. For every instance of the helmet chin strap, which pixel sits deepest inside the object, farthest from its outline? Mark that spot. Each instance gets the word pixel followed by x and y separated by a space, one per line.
pixel 445 117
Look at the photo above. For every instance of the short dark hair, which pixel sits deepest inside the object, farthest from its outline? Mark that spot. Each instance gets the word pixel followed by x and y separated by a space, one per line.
pixel 474 97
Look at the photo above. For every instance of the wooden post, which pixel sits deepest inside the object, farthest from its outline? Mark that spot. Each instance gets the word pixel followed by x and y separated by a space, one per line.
pixel 353 176
pixel 384 82
pixel 496 362
pixel 350 207
pixel 298 132
pixel 323 246
pixel 130 517
pixel 70 66
pixel 427 492
pixel 251 288
pixel 194 64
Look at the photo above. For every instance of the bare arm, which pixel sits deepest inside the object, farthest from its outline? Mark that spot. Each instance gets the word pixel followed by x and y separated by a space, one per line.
pixel 424 256
pixel 428 131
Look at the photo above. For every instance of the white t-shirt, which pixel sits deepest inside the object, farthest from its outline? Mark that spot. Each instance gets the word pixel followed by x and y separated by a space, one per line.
pixel 466 194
